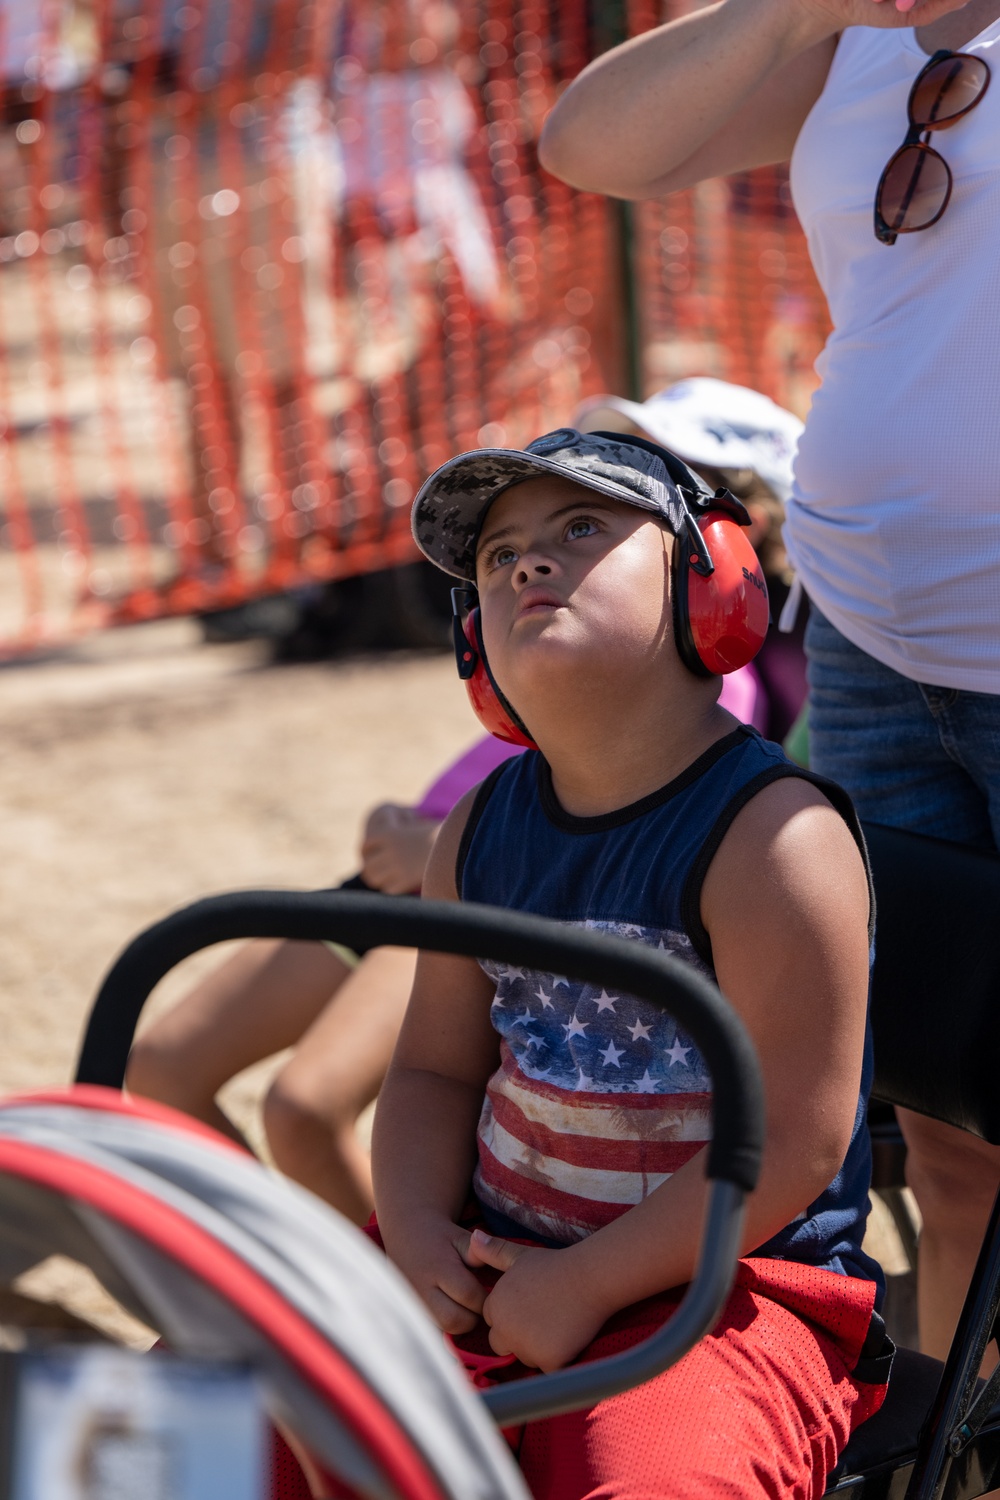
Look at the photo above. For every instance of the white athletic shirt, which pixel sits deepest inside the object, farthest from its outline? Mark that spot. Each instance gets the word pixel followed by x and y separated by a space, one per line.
pixel 894 526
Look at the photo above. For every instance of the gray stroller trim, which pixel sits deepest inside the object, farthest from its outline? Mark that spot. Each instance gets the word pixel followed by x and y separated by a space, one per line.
pixel 316 1260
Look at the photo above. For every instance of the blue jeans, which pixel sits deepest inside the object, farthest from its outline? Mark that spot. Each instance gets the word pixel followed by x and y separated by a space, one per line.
pixel 912 756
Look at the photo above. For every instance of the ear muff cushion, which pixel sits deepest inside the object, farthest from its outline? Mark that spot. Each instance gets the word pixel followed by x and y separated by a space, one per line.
pixel 720 621
pixel 488 703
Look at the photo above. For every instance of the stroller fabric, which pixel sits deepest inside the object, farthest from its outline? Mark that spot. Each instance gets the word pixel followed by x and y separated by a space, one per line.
pixel 226 1259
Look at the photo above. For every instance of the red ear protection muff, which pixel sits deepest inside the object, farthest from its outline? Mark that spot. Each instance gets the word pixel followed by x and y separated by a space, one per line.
pixel 489 704
pixel 720 602
pixel 721 611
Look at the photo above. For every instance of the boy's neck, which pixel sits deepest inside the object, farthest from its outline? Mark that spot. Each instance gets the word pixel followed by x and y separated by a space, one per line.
pixel 608 766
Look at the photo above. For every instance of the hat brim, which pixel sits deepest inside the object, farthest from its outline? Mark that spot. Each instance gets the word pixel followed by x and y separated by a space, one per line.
pixel 451 505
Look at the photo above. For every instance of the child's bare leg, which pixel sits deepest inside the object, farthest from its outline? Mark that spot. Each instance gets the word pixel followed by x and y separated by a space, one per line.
pixel 257 1003
pixel 312 1108
pixel 954 1177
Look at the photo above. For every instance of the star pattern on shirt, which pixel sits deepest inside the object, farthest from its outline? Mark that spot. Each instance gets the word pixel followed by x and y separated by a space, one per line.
pixel 591 1038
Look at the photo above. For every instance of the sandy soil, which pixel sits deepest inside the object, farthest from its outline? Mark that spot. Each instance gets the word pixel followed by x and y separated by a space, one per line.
pixel 142 769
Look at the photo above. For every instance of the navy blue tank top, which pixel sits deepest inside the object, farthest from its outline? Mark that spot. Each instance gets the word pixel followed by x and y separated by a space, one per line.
pixel 600 1097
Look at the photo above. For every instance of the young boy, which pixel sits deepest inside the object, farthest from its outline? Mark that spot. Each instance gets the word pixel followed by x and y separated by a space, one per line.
pixel 577 1118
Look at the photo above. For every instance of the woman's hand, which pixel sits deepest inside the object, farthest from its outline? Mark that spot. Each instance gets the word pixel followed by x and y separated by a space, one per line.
pixel 395 848
pixel 539 1310
pixel 434 1258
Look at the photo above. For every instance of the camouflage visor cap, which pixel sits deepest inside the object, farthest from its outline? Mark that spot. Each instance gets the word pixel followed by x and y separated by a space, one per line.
pixel 451 505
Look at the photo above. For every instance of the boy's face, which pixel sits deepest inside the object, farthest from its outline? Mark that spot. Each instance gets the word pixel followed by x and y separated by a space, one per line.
pixel 570 579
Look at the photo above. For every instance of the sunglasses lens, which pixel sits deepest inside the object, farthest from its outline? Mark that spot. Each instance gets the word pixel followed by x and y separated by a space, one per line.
pixel 914 190
pixel 948 90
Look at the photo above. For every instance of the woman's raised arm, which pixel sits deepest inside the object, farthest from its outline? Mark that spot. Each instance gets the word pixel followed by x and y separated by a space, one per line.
pixel 721 90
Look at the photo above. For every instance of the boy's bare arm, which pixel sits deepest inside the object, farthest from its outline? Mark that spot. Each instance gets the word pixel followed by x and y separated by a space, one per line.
pixel 424 1143
pixel 786 904
pixel 722 90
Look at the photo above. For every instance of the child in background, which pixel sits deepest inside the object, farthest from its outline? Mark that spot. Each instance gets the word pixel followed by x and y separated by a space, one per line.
pixel 339 1008
pixel 575 1119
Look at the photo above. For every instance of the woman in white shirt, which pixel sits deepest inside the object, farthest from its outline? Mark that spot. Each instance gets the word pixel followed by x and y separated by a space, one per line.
pixel 894 525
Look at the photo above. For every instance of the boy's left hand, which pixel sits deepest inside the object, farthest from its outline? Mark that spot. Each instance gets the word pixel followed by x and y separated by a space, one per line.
pixel 539 1310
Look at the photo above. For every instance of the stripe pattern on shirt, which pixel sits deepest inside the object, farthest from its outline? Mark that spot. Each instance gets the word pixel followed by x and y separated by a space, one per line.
pixel 598 1099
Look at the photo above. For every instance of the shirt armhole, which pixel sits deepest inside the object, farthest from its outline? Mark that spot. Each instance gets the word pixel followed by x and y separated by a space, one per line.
pixel 476 811
pixel 691 897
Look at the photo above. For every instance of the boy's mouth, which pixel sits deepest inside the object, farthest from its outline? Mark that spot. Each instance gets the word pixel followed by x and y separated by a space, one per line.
pixel 535 599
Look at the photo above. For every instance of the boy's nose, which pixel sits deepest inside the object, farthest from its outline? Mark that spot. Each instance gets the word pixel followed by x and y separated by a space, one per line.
pixel 530 569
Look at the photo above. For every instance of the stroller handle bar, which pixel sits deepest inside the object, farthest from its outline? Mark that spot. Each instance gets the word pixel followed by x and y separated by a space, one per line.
pixel 475 931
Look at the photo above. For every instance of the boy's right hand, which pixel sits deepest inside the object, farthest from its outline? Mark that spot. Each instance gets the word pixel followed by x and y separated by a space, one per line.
pixel 432 1257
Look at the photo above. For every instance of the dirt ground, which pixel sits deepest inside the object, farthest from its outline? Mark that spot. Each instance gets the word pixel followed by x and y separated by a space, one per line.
pixel 142 769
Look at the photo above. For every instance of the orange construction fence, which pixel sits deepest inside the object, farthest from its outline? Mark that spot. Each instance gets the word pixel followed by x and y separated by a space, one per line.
pixel 265 263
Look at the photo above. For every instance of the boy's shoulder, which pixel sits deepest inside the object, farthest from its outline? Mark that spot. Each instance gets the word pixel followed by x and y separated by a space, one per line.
pixel 793 842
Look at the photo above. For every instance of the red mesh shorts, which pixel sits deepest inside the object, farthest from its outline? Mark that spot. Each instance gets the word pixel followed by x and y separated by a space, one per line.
pixel 762 1407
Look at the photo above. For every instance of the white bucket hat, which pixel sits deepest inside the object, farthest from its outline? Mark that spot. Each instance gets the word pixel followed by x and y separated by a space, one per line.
pixel 706 421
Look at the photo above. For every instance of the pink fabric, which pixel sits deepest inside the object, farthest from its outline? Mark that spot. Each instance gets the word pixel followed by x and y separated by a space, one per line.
pixel 463 774
pixel 744 696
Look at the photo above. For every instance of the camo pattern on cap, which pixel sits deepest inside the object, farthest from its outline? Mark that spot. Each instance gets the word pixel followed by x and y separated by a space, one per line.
pixel 449 509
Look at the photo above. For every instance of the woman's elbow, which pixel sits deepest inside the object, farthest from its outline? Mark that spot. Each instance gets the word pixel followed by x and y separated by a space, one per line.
pixel 556 147
pixel 577 152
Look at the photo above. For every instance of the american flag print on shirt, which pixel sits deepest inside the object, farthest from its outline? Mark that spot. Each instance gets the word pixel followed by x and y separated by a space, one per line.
pixel 598 1098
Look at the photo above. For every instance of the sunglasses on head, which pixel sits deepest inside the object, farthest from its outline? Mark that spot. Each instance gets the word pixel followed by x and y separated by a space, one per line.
pixel 914 189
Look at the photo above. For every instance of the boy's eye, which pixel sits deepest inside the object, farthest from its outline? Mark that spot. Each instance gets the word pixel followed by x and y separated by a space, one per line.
pixel 582 526
pixel 501 557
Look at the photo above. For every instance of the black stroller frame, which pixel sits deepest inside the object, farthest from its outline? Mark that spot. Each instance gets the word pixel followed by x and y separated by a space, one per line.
pixel 936 1020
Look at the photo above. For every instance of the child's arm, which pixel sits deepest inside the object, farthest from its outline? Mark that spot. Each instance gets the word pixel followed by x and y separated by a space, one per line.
pixel 424 1145
pixel 785 902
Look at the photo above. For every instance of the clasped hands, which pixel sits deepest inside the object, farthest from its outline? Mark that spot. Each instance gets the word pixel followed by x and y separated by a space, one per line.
pixel 543 1309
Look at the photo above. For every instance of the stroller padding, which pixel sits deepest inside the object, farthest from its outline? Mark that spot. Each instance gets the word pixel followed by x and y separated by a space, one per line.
pixel 225 1258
